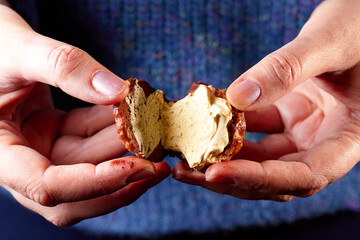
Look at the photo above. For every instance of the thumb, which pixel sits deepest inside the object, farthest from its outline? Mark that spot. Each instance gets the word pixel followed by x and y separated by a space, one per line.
pixel 61 65
pixel 321 47
pixel 277 74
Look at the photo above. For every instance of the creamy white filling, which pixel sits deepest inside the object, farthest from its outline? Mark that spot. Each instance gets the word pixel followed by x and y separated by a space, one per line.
pixel 196 126
pixel 220 111
pixel 145 118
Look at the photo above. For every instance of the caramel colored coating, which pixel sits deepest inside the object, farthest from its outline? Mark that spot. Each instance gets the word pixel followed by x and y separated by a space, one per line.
pixel 125 130
pixel 121 113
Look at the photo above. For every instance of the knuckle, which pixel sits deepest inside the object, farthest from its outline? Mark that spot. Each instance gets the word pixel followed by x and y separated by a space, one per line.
pixel 319 183
pixel 262 183
pixel 38 193
pixel 285 67
pixel 103 188
pixel 64 60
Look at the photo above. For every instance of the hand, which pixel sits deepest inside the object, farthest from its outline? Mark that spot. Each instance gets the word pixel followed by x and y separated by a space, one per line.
pixel 64 166
pixel 314 127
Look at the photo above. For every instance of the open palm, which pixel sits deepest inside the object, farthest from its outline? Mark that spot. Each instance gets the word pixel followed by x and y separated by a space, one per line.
pixel 314 139
pixel 66 166
pixel 306 96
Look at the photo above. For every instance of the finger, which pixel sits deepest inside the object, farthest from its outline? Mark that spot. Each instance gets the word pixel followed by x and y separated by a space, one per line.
pixel 85 122
pixel 277 145
pixel 299 174
pixel 289 106
pixel 229 189
pixel 183 174
pixel 251 151
pixel 38 99
pixel 41 129
pixel 271 177
pixel 272 146
pixel 319 48
pixel 105 204
pixel 61 65
pixel 49 185
pixel 266 120
pixel 70 213
pixel 102 146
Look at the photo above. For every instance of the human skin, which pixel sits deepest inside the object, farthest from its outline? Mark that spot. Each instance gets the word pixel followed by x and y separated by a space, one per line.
pixel 64 166
pixel 306 96
pixel 68 172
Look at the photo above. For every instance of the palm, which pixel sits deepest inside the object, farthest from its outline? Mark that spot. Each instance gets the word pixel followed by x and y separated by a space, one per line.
pixel 64 159
pixel 59 136
pixel 313 136
pixel 37 121
pixel 312 116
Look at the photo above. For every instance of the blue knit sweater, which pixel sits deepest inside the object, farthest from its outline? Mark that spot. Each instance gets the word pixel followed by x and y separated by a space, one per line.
pixel 172 43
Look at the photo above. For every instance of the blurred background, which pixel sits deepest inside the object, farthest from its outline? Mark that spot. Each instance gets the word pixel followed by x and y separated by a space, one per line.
pixel 17 223
pixel 279 27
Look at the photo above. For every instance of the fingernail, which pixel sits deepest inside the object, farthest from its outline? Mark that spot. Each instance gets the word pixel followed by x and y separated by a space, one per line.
pixel 220 179
pixel 108 84
pixel 144 173
pixel 244 93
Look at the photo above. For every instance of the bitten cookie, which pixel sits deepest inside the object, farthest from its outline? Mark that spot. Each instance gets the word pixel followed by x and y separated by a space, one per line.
pixel 202 128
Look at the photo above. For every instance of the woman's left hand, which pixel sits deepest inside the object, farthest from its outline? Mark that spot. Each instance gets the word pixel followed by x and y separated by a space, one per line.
pixel 306 95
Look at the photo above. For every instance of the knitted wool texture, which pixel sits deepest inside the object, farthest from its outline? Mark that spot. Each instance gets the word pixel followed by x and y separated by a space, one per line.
pixel 171 44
